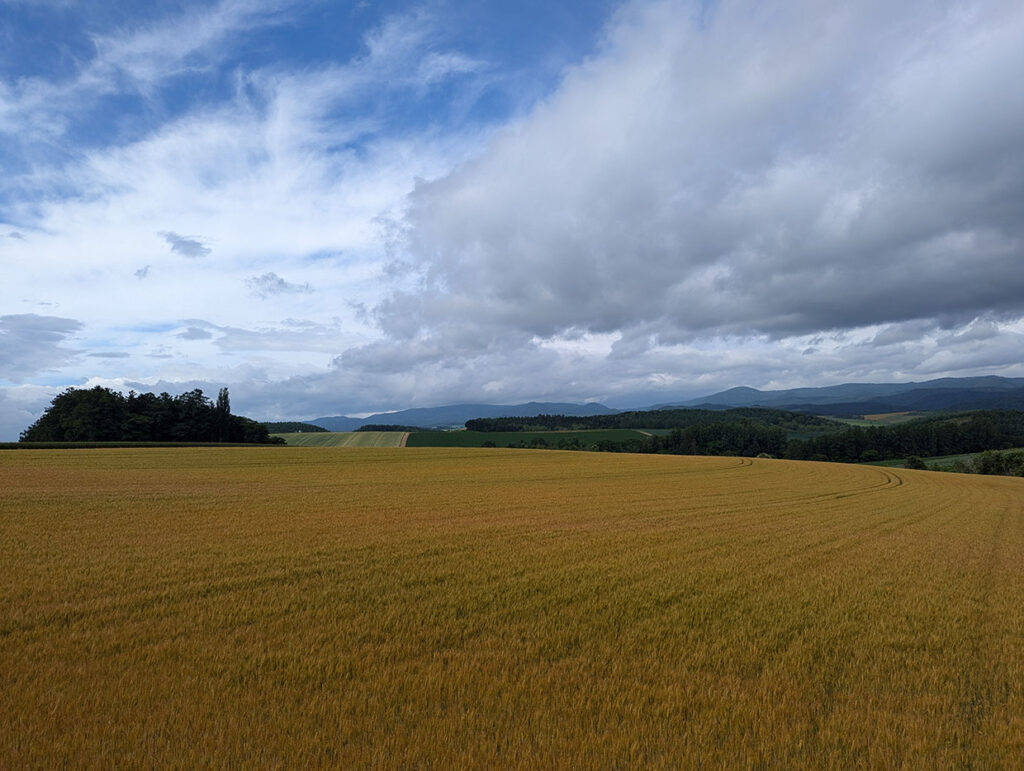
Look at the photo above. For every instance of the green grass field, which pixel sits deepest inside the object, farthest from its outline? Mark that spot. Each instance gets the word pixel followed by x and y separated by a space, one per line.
pixel 938 461
pixel 504 438
pixel 296 607
pixel 344 439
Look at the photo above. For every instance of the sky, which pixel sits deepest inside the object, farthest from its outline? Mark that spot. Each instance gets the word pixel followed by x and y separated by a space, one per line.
pixel 338 207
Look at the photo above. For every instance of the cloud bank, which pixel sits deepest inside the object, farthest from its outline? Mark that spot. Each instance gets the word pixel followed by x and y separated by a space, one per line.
pixel 755 170
pixel 393 213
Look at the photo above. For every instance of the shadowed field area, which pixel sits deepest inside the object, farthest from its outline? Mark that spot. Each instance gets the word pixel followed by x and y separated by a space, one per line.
pixel 298 606
pixel 505 438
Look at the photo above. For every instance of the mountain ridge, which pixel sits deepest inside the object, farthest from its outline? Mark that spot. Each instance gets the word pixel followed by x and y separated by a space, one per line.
pixel 744 396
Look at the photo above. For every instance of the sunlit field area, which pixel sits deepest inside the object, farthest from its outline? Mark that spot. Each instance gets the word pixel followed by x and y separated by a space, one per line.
pixel 345 439
pixel 455 607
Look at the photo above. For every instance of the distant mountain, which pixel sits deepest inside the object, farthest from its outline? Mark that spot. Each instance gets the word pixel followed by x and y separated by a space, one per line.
pixel 969 393
pixel 453 415
pixel 339 423
pixel 923 400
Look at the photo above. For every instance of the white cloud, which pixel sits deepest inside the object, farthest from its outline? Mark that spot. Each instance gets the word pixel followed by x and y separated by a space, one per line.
pixel 271 283
pixel 260 178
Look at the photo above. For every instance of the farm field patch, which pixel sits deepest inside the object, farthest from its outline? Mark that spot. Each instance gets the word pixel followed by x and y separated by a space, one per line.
pixel 280 606
pixel 344 439
pixel 882 419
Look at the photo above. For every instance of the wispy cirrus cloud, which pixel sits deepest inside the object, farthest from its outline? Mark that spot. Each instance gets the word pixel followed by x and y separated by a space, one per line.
pixel 195 39
pixel 127 58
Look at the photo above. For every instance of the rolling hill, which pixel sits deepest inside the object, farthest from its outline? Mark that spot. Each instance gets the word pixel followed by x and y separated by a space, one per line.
pixel 847 399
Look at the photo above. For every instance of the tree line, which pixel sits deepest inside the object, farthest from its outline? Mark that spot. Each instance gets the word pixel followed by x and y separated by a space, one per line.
pixel 292 427
pixel 927 437
pixel 657 419
pixel 389 427
pixel 752 432
pixel 101 415
pixel 738 437
pixel 992 462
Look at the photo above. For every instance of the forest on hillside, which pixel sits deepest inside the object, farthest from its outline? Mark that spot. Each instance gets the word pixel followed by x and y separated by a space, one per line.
pixel 657 419
pixel 292 427
pixel 777 433
pixel 966 432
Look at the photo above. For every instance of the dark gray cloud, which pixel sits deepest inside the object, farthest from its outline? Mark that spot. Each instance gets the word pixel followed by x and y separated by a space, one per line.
pixel 142 273
pixel 289 335
pixel 774 170
pixel 16 235
pixel 195 333
pixel 30 343
pixel 187 246
pixel 271 284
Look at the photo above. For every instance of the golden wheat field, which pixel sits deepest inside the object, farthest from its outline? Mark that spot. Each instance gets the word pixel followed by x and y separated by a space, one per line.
pixel 290 607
